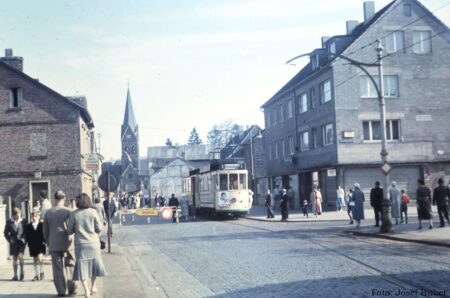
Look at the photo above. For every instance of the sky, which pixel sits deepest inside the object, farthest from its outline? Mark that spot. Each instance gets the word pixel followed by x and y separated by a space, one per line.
pixel 188 63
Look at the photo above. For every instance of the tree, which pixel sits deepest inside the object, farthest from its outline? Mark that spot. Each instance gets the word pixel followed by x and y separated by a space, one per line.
pixel 169 142
pixel 194 138
pixel 222 133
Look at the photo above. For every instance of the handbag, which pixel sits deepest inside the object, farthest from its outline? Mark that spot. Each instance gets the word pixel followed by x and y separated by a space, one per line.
pixel 102 244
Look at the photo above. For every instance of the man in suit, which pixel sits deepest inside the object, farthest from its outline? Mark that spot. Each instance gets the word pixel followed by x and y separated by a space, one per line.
pixel 173 202
pixel 109 204
pixel 58 241
pixel 376 197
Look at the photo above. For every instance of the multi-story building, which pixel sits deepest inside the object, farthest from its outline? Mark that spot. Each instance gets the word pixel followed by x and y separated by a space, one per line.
pixel 45 138
pixel 323 126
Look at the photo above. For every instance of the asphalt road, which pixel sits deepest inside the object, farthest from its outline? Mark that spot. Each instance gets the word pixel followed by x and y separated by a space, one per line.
pixel 244 258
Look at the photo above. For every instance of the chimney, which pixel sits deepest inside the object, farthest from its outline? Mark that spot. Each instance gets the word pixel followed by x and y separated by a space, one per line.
pixel 351 25
pixel 369 10
pixel 16 62
pixel 324 40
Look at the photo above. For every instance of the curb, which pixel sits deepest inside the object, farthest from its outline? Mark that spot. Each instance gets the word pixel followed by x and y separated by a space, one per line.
pixel 295 220
pixel 389 237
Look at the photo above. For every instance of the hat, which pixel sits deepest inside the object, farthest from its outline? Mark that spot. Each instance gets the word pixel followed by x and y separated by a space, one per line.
pixel 357 185
pixel 394 184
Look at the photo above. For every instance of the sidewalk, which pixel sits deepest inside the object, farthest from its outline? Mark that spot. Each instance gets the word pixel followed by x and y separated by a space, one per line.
pixel 402 232
pixel 37 289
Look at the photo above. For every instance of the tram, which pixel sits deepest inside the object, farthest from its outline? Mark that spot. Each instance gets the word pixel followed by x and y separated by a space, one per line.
pixel 223 190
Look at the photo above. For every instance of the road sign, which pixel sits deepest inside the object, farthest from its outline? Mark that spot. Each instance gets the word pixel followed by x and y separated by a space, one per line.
pixel 92 166
pixel 147 212
pixel 103 181
pixel 385 168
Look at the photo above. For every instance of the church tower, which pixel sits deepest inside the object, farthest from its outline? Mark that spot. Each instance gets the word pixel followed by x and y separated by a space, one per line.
pixel 130 137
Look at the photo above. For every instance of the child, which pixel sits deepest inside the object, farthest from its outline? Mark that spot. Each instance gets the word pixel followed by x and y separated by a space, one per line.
pixel 305 208
pixel 404 207
pixel 15 235
pixel 36 244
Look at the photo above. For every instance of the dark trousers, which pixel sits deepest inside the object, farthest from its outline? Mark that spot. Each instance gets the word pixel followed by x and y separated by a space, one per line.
pixel 377 210
pixel 404 209
pixel 443 212
pixel 350 212
pixel 62 267
pixel 269 212
pixel 284 212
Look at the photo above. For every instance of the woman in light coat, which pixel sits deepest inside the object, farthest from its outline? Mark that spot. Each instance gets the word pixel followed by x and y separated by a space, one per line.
pixel 358 209
pixel 395 197
pixel 316 201
pixel 85 224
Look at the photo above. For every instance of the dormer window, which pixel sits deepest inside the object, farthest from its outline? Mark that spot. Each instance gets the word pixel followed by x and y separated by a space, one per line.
pixel 315 61
pixel 332 48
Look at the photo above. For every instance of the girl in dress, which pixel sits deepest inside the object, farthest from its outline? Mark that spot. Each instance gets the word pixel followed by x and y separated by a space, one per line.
pixel 36 244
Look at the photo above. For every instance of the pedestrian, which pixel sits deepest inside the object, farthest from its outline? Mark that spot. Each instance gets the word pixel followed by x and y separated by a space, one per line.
pixel 440 198
pixel 376 198
pixel 340 201
pixel 404 207
pixel 250 199
pixel 109 206
pixel 395 197
pixel 14 233
pixel 45 203
pixel 184 204
pixel 276 197
pixel 350 204
pixel 58 242
pixel 36 243
pixel 316 201
pixel 268 204
pixel 173 203
pixel 358 210
pixel 305 207
pixel 284 205
pixel 424 211
pixel 85 224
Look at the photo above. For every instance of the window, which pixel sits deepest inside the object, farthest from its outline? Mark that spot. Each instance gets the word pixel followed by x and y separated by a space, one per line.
pixel 223 181
pixel 283 147
pixel 325 91
pixel 268 119
pixel 303 103
pixel 314 138
pixel 291 145
pixel 242 181
pixel 368 88
pixel 394 41
pixel 289 109
pixel 315 62
pixel 15 98
pixel 233 181
pixel 304 141
pixel 312 97
pixel 422 42
pixel 281 113
pixel 274 118
pixel 333 48
pixel 275 146
pixel 372 130
pixel 327 134
pixel 407 10
pixel 269 149
pixel 215 184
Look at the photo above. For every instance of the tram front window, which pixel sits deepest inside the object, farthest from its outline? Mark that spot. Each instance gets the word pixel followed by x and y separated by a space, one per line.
pixel 223 181
pixel 243 181
pixel 233 181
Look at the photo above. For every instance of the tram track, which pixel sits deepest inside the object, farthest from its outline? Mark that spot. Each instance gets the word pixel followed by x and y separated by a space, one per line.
pixel 407 285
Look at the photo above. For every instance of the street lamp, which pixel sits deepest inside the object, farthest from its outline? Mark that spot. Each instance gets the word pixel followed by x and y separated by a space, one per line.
pixel 386 224
pixel 252 159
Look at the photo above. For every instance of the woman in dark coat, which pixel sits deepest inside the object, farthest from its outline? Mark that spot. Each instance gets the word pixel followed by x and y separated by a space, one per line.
pixel 15 235
pixel 424 211
pixel 36 244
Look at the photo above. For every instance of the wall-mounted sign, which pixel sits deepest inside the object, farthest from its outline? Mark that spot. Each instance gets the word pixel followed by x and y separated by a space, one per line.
pixel 331 172
pixel 38 175
pixel 349 134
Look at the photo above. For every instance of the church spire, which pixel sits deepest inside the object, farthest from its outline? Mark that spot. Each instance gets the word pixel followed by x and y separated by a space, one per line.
pixel 129 120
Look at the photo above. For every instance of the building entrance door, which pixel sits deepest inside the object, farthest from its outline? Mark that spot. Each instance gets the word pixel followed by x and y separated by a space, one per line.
pixel 35 190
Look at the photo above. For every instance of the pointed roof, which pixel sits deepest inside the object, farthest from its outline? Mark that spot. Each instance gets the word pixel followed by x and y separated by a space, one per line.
pixel 129 119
